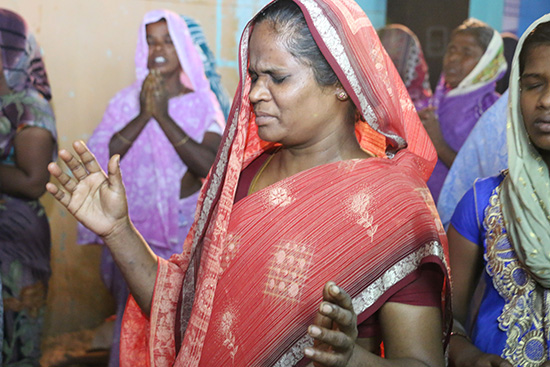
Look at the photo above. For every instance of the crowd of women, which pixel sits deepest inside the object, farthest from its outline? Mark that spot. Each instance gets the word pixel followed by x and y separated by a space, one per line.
pixel 299 227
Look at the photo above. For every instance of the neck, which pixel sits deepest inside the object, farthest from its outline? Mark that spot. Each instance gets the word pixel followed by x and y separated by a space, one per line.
pixel 332 148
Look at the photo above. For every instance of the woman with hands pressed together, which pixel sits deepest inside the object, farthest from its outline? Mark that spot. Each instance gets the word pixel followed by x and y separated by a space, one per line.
pixel 499 235
pixel 27 144
pixel 166 128
pixel 473 62
pixel 320 177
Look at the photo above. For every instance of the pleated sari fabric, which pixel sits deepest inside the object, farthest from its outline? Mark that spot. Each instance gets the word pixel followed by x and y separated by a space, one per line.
pixel 258 267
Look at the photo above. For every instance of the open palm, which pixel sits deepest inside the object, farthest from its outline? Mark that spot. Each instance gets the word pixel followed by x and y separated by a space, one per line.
pixel 96 200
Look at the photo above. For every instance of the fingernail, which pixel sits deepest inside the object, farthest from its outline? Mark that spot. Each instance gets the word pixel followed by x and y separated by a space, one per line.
pixel 326 308
pixel 308 352
pixel 314 330
pixel 335 289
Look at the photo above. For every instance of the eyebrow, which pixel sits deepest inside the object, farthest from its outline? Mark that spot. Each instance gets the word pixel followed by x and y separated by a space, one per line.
pixel 270 71
pixel 530 75
pixel 149 36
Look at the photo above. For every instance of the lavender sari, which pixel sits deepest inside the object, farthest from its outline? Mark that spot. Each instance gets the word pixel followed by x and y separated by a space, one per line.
pixel 459 109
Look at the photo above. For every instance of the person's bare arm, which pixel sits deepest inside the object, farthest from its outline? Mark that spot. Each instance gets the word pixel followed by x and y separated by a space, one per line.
pixel 444 152
pixel 197 156
pixel 420 345
pixel 466 266
pixel 99 202
pixel 121 142
pixel 33 151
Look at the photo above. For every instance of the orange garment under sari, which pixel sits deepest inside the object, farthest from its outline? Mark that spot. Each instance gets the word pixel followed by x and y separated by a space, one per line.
pixel 257 267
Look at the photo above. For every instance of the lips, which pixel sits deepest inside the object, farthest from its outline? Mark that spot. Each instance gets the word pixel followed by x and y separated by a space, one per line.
pixel 263 118
pixel 543 124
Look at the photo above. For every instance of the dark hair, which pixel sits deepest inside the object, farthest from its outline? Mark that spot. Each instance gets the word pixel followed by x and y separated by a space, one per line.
pixel 289 23
pixel 538 36
pixel 482 32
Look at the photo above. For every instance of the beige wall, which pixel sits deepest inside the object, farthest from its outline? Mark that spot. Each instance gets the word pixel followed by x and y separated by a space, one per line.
pixel 89 54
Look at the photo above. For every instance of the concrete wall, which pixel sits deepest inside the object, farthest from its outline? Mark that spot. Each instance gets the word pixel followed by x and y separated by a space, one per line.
pixel 89 54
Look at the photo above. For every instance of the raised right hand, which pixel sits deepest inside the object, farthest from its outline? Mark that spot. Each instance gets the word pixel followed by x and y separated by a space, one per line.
pixel 96 200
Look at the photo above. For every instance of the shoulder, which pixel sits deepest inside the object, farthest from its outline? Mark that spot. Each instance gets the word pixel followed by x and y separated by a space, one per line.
pixel 469 213
pixel 126 95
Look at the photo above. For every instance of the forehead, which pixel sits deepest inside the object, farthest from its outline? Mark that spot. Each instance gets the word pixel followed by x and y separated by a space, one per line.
pixel 536 60
pixel 157 28
pixel 267 44
pixel 465 39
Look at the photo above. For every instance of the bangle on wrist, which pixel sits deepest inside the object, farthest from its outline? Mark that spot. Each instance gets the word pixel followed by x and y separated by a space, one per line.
pixel 123 139
pixel 464 335
pixel 181 142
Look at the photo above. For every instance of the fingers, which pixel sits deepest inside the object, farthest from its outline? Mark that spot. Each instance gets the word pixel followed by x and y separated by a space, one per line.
pixel 61 196
pixel 339 296
pixel 333 346
pixel 78 170
pixel 335 338
pixel 87 158
pixel 326 358
pixel 158 87
pixel 343 318
pixel 338 307
pixel 115 176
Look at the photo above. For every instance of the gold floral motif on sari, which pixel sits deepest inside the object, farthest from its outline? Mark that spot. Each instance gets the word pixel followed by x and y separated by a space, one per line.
pixel 279 196
pixel 227 330
pixel 525 312
pixel 288 271
pixel 360 206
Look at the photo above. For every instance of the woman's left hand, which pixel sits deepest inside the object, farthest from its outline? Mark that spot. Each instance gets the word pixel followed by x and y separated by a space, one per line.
pixel 334 330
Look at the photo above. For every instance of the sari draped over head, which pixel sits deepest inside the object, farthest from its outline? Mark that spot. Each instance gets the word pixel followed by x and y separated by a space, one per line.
pixel 24 230
pixel 526 190
pixel 151 169
pixel 508 216
pixel 458 109
pixel 406 53
pixel 258 266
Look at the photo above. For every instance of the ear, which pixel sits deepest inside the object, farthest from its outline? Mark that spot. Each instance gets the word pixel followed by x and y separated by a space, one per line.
pixel 341 94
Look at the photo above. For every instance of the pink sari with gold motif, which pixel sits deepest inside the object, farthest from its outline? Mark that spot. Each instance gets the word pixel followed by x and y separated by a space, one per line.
pixel 257 267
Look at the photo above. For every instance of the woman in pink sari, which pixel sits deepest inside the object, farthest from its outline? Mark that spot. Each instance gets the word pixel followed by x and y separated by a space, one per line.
pixel 321 175
pixel 166 127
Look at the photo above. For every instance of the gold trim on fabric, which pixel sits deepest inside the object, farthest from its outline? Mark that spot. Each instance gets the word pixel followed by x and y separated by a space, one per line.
pixel 524 314
pixel 371 294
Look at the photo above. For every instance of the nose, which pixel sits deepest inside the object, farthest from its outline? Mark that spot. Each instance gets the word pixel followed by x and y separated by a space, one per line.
pixel 156 46
pixel 544 100
pixel 259 91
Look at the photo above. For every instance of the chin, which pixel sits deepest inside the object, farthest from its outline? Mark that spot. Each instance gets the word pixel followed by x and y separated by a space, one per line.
pixel 266 135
